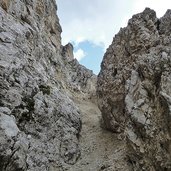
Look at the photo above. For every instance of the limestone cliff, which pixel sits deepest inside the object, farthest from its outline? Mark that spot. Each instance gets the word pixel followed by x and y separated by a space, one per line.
pixel 44 92
pixel 134 89
pixel 39 122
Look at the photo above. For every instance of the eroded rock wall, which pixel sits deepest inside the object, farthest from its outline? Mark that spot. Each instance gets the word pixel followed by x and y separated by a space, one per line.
pixel 39 123
pixel 134 89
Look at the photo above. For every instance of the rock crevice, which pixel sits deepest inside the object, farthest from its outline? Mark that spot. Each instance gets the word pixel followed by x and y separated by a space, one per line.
pixel 47 97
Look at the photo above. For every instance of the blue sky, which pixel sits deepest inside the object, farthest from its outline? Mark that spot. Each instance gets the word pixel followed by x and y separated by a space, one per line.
pixel 90 25
pixel 93 55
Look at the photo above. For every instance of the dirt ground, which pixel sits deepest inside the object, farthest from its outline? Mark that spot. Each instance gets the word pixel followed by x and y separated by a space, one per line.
pixel 100 149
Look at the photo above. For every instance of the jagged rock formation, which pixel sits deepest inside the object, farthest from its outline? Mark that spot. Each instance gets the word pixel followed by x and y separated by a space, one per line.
pixel 39 122
pixel 134 89
pixel 44 91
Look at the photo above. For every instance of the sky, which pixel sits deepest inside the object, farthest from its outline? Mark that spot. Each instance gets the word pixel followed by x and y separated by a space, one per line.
pixel 90 25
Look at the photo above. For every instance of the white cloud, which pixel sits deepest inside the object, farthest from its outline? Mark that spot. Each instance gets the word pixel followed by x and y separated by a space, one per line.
pixel 98 21
pixel 79 54
pixel 160 6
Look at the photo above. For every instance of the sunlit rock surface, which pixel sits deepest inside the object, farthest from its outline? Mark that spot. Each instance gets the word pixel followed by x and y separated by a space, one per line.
pixel 44 91
pixel 39 122
pixel 134 89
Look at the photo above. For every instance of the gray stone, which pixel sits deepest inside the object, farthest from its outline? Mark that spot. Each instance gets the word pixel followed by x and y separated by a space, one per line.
pixel 133 89
pixel 37 83
pixel 8 124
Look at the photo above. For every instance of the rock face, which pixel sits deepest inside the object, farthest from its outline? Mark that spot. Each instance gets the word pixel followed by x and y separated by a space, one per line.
pixel 134 89
pixel 39 123
pixel 39 78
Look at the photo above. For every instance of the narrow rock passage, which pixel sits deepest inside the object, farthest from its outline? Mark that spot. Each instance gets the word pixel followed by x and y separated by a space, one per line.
pixel 100 149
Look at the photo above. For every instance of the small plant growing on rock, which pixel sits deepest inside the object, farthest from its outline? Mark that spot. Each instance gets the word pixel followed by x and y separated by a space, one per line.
pixel 45 89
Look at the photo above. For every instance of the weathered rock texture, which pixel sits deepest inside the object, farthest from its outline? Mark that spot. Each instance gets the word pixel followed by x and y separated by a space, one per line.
pixel 39 123
pixel 134 89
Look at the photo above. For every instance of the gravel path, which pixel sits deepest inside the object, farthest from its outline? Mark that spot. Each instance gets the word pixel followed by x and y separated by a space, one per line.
pixel 100 149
